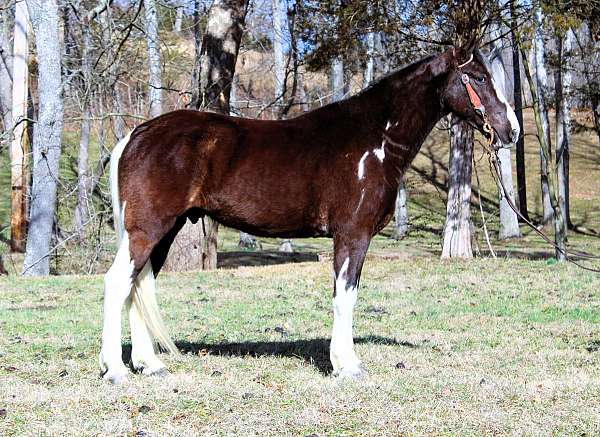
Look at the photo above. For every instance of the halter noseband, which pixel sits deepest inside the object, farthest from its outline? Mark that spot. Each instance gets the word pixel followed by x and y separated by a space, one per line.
pixel 476 102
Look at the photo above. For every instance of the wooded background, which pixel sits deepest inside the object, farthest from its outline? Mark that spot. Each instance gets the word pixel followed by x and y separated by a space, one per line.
pixel 76 76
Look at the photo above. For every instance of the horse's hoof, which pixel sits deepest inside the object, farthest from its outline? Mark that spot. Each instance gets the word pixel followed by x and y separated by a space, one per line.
pixel 351 372
pixel 115 378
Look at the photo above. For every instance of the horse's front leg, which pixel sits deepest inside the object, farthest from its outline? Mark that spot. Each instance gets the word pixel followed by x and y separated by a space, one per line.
pixel 349 254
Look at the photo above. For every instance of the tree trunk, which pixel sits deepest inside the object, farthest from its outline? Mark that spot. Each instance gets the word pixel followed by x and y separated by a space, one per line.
pixel 541 82
pixel 457 229
pixel 47 136
pixel 277 11
pixel 370 67
pixel 178 18
pixel 509 224
pixel 18 147
pixel 336 79
pixel 154 68
pixel 400 213
pixel 562 89
pixel 218 55
pixel 518 100
pixel 83 176
pixel 539 96
pixel 2 269
pixel 6 68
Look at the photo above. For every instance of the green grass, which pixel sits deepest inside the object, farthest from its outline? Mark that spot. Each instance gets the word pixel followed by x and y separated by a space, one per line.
pixel 488 346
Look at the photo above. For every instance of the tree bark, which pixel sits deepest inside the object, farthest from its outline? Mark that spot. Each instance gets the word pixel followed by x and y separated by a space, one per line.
pixel 178 18
pixel 541 82
pixel 277 12
pixel 47 136
pixel 83 176
pixel 509 224
pixel 218 55
pixel 369 71
pixel 400 213
pixel 336 79
pixel 457 229
pixel 19 142
pixel 154 68
pixel 518 100
pixel 6 67
pixel 2 269
pixel 562 90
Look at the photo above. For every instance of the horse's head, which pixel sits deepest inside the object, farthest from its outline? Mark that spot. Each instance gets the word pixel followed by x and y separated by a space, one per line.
pixel 472 94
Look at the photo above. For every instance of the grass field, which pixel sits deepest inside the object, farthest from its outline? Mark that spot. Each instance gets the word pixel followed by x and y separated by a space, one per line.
pixel 484 347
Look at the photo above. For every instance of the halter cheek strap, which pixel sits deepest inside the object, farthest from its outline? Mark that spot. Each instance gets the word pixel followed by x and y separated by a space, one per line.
pixel 476 103
pixel 473 97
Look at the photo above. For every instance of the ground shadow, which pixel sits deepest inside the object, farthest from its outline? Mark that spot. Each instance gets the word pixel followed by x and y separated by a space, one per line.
pixel 231 260
pixel 314 351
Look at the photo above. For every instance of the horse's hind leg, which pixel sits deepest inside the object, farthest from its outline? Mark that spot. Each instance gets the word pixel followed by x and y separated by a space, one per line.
pixel 143 355
pixel 117 287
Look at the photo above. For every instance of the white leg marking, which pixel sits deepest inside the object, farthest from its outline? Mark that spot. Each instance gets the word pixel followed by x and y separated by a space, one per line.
pixel 117 287
pixel 143 356
pixel 343 358
pixel 361 166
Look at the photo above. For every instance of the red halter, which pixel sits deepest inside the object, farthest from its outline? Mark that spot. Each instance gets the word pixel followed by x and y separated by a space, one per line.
pixel 476 102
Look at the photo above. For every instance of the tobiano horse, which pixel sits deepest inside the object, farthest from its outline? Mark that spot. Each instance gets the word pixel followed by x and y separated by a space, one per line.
pixel 332 172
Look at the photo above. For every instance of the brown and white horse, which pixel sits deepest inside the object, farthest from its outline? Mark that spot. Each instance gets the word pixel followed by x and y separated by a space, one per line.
pixel 332 172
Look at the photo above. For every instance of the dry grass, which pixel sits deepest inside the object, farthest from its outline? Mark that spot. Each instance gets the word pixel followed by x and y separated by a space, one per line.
pixel 487 347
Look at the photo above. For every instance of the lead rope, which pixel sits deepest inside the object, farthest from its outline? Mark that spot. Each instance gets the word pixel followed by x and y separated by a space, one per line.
pixel 494 163
pixel 497 174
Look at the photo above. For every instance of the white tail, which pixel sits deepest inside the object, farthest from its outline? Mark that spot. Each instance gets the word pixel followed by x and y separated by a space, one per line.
pixel 143 293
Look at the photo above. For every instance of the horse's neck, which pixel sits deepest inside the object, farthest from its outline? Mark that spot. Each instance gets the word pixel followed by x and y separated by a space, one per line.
pixel 405 105
pixel 415 109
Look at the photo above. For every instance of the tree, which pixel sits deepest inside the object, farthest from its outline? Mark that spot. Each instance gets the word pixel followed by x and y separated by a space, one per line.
pixel 47 136
pixel 336 79
pixel 541 82
pixel 154 70
pixel 457 229
pixel 509 224
pixel 539 92
pixel 562 85
pixel 518 100
pixel 400 213
pixel 178 17
pixel 18 112
pixel 6 73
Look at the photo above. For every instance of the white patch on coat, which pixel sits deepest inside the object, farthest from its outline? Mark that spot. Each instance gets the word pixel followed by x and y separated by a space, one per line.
pixel 510 113
pixel 342 352
pixel 361 166
pixel 362 197
pixel 380 152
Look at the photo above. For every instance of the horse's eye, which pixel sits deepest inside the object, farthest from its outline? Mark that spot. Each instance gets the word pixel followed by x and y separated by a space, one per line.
pixel 481 79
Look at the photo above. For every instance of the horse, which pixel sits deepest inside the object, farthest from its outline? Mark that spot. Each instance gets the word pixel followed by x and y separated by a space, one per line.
pixel 331 172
